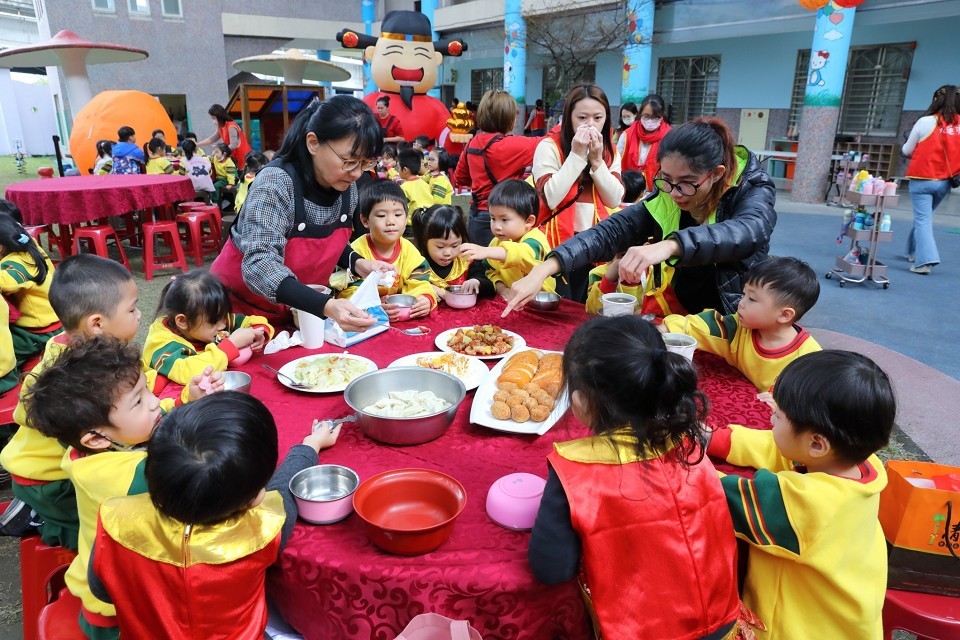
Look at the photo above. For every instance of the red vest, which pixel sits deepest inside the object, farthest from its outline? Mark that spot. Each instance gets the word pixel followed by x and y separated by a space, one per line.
pixel 659 552
pixel 240 153
pixel 937 157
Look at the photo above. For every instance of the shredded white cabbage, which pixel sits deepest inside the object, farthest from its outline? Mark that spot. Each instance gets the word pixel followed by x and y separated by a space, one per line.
pixel 407 404
pixel 329 371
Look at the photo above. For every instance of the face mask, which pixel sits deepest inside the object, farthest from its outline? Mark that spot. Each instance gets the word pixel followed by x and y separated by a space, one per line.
pixel 628 121
pixel 651 125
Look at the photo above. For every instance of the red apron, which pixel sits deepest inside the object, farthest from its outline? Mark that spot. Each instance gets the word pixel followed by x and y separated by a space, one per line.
pixel 311 253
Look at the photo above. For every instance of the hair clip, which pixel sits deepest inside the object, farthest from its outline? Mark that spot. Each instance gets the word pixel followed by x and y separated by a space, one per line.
pixel 23 239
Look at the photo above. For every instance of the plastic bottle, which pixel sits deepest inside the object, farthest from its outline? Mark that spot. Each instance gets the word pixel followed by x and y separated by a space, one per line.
pixel 868 220
pixel 858 221
pixel 853 256
pixel 886 222
pixel 847 216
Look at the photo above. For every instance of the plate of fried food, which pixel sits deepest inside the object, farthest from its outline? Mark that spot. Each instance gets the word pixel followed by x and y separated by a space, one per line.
pixel 522 393
pixel 484 341
pixel 471 371
pixel 327 373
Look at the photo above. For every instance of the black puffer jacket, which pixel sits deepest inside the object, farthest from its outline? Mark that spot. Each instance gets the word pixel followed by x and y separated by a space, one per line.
pixel 739 239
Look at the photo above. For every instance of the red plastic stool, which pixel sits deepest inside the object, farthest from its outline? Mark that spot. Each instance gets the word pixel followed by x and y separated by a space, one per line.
pixel 53 240
pixel 41 578
pixel 153 231
pixel 59 620
pixel 164 213
pixel 200 243
pixel 925 615
pixel 98 235
pixel 130 229
pixel 184 207
pixel 45 172
pixel 214 210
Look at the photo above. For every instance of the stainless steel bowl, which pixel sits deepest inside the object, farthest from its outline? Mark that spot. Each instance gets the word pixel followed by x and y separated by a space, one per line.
pixel 401 300
pixel 545 301
pixel 374 386
pixel 324 493
pixel 236 381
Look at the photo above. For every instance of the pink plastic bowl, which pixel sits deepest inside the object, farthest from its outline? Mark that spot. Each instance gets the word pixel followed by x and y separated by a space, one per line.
pixel 324 493
pixel 456 299
pixel 513 500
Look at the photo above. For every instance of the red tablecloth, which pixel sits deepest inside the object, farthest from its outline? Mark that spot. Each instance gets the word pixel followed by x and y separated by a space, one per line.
pixel 331 582
pixel 77 199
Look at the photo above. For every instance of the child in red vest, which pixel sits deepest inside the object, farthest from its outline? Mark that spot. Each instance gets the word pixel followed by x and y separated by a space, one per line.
pixel 636 511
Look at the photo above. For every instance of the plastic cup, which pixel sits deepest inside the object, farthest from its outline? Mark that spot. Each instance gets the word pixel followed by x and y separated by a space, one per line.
pixel 618 304
pixel 680 343
pixel 311 330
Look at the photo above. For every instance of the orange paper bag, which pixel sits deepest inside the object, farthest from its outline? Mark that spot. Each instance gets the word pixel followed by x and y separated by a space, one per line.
pixel 922 526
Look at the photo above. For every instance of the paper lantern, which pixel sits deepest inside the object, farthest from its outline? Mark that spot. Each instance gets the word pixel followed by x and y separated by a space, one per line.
pixel 848 4
pixel 813 5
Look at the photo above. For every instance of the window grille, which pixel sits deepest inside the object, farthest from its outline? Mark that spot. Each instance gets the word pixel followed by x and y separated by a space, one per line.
pixel 555 88
pixel 483 80
pixel 689 86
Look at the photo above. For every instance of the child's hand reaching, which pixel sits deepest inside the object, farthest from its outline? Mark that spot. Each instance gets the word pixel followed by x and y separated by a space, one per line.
pixel 472 251
pixel 421 307
pixel 613 270
pixel 245 337
pixel 322 437
pixel 208 382
pixel 260 340
pixel 471 286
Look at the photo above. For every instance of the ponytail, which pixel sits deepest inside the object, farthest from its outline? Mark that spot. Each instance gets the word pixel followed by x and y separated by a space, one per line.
pixel 189 147
pixel 15 239
pixel 704 144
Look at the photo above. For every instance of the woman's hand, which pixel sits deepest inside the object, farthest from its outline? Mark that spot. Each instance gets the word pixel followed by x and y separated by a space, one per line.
pixel 580 144
pixel 421 307
pixel 523 290
pixel 595 150
pixel 365 267
pixel 505 292
pixel 637 259
pixel 472 251
pixel 348 315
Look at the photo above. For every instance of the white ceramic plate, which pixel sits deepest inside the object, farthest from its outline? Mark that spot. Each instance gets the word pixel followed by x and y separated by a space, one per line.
pixel 476 370
pixel 518 343
pixel 483 398
pixel 291 367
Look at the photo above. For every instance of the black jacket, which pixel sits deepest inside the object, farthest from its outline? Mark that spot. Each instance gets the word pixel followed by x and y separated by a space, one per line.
pixel 739 239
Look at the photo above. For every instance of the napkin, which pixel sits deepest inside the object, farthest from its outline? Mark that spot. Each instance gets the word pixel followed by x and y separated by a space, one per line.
pixel 366 297
pixel 283 340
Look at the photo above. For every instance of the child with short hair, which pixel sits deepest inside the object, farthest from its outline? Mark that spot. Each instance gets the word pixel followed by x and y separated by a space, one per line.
pixel 763 336
pixel 210 472
pixel 224 171
pixel 25 276
pixel 95 399
pixel 438 233
pixel 633 187
pixel 104 163
pixel 388 160
pixel 518 245
pixel 810 512
pixel 422 144
pixel 155 152
pixel 383 211
pixel 414 188
pixel 652 538
pixel 128 158
pixel 438 163
pixel 195 328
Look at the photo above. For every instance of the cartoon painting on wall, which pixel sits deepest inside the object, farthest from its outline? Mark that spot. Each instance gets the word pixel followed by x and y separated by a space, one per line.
pixel 828 55
pixel 403 63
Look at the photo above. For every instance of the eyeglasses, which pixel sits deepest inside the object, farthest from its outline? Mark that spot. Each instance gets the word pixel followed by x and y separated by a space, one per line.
pixel 350 165
pixel 683 188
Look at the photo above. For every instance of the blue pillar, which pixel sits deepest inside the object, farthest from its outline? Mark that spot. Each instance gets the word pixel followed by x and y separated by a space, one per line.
pixel 325 56
pixel 368 13
pixel 515 56
pixel 427 7
pixel 637 52
pixel 821 102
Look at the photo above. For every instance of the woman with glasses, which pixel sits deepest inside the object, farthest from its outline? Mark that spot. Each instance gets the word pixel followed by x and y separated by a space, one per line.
pixel 297 218
pixel 709 220
pixel 577 173
pixel 640 143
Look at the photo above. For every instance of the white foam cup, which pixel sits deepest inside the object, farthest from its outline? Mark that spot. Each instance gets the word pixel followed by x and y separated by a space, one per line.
pixel 680 343
pixel 618 304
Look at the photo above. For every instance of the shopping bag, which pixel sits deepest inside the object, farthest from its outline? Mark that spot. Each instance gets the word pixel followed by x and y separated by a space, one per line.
pixel 659 298
pixel 920 516
pixel 433 626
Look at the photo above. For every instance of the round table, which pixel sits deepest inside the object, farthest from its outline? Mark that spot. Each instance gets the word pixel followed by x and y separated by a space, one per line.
pixel 76 199
pixel 332 582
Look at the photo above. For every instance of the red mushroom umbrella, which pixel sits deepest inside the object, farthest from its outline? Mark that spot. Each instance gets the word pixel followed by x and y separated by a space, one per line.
pixel 71 53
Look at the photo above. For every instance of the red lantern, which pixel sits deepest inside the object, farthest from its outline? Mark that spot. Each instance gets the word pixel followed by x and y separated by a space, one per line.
pixel 848 4
pixel 813 5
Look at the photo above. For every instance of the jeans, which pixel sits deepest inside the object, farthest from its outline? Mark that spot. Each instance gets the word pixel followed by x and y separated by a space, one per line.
pixel 478 227
pixel 926 196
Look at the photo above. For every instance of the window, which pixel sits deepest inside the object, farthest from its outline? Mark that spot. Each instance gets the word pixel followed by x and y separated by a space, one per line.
pixel 483 80
pixel 555 88
pixel 873 90
pixel 171 8
pixel 689 86
pixel 138 7
pixel 799 91
pixel 104 5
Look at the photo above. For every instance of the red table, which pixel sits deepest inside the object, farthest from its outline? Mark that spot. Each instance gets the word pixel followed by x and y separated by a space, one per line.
pixel 333 583
pixel 76 199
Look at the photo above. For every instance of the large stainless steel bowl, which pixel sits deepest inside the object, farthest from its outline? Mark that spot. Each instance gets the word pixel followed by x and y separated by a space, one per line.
pixel 376 385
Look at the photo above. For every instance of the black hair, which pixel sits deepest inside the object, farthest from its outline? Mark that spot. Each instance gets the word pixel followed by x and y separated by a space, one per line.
pixel 379 191
pixel 198 295
pixel 390 150
pixel 224 148
pixel 626 106
pixel 218 112
pixel 704 144
pixel 403 145
pixel 634 185
pixel 470 106
pixel 76 393
pixel 104 148
pixel 423 141
pixel 443 158
pixel 11 210
pixel 411 160
pixel 190 135
pixel 843 396
pixel 517 195
pixel 538 104
pixel 124 133
pixel 154 133
pixel 945 103
pixel 385 100
pixel 791 281
pixel 438 221
pixel 15 239
pixel 627 378
pixel 85 284
pixel 338 118
pixel 189 148
pixel 155 144
pixel 211 458
pixel 657 105
pixel 254 161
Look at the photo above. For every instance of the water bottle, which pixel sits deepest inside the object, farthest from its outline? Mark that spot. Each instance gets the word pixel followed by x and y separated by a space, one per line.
pixel 868 219
pixel 853 256
pixel 885 222
pixel 858 221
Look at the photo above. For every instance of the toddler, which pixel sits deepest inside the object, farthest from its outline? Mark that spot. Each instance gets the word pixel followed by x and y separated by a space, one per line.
pixel 416 190
pixel 518 245
pixel 127 156
pixel 438 164
pixel 198 168
pixel 195 328
pixel 389 162
pixel 252 163
pixel 155 152
pixel 633 187
pixel 224 171
pixel 383 212
pixel 810 512
pixel 651 539
pixel 762 337
pixel 208 472
pixel 104 163
pixel 422 144
pixel 190 135
pixel 438 233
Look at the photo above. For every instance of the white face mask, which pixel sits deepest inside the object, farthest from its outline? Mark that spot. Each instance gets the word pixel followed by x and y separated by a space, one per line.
pixel 651 125
pixel 628 121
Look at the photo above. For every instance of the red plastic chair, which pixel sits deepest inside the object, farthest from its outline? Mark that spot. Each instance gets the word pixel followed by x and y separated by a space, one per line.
pixel 9 399
pixel 927 616
pixel 53 240
pixel 41 579
pixel 169 231
pixel 184 207
pixel 97 236
pixel 200 243
pixel 217 214
pixel 59 620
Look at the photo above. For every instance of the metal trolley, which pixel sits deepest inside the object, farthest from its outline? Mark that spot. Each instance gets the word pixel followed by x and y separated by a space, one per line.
pixel 872 269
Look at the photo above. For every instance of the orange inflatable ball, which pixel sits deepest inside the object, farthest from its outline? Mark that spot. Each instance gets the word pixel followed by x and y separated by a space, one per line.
pixel 107 112
pixel 813 5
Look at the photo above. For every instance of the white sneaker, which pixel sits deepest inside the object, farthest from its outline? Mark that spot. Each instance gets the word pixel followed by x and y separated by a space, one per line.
pixel 923 269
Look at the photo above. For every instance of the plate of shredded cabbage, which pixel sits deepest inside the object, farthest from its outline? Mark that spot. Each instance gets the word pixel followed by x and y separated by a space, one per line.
pixel 327 373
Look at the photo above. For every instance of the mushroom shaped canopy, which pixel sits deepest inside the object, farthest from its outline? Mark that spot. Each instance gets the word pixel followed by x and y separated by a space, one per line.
pixel 293 69
pixel 107 112
pixel 48 54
